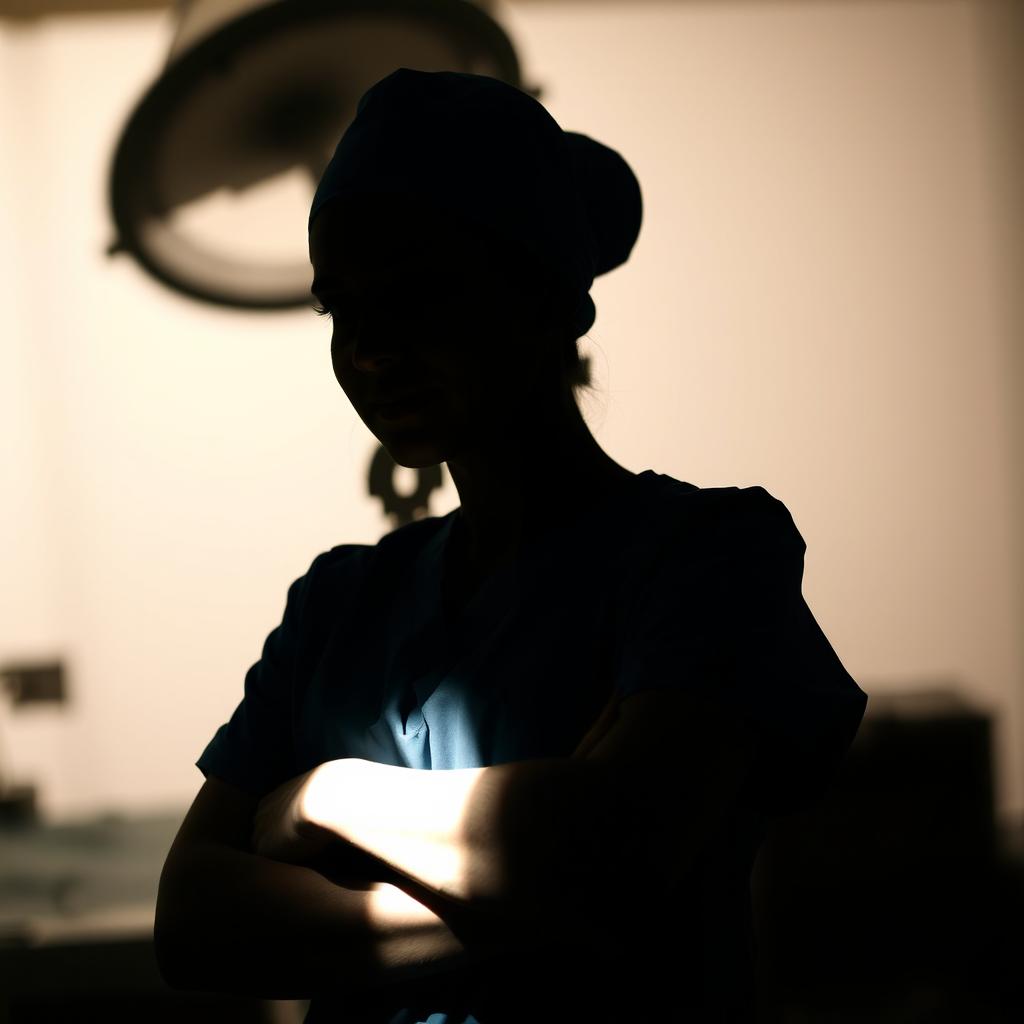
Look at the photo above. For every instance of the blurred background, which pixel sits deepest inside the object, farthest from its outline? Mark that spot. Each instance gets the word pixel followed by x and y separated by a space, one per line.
pixel 824 300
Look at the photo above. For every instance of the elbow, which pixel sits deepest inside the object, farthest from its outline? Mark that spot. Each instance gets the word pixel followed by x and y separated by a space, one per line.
pixel 174 931
pixel 187 965
pixel 166 936
pixel 167 961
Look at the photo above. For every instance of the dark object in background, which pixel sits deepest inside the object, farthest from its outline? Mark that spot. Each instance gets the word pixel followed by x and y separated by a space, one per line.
pixel 898 898
pixel 34 682
pixel 251 91
pixel 27 683
pixel 18 804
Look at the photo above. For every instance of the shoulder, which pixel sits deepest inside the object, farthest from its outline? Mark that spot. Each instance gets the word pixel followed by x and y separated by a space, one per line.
pixel 327 579
pixel 343 561
pixel 709 504
pixel 692 524
pixel 340 562
pixel 337 567
pixel 743 519
pixel 345 567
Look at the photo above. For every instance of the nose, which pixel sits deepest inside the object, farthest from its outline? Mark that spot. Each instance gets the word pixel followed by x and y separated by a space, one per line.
pixel 379 341
pixel 373 350
pixel 377 331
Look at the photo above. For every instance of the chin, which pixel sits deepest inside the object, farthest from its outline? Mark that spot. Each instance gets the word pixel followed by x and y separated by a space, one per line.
pixel 413 454
pixel 415 445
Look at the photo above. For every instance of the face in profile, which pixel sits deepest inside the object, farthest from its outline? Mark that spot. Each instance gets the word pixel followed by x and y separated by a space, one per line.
pixel 423 312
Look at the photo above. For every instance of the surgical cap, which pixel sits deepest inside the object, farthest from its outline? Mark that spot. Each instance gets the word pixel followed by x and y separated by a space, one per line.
pixel 489 154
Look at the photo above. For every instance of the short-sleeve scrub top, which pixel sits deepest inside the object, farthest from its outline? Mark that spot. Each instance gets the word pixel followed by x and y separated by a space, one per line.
pixel 662 584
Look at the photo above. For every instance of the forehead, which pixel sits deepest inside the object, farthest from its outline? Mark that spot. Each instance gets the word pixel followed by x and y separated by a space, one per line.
pixel 356 240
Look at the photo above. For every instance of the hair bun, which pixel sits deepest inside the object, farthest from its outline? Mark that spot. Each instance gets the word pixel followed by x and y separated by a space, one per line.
pixel 612 198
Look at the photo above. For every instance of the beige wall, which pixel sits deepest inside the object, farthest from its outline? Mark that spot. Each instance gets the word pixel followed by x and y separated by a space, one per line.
pixel 818 303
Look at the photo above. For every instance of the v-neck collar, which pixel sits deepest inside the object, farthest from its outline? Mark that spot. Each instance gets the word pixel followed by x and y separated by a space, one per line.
pixel 437 644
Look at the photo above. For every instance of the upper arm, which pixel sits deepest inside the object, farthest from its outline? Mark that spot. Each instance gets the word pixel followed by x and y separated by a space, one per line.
pixel 671 767
pixel 221 814
pixel 254 750
pixel 220 818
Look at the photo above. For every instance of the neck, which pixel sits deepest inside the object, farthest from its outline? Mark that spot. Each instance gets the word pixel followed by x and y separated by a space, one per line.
pixel 516 490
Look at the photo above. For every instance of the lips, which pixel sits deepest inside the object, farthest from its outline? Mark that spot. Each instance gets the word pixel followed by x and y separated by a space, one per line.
pixel 411 406
pixel 397 401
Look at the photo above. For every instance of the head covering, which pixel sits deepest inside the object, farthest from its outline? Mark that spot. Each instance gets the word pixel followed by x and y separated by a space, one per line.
pixel 488 153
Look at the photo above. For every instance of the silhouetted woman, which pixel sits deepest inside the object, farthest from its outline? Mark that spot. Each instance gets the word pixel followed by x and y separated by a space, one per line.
pixel 510 764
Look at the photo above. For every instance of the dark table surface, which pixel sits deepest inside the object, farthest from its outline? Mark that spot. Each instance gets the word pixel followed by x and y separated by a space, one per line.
pixel 93 880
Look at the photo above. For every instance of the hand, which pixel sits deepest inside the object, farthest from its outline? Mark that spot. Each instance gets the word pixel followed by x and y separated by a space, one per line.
pixel 285 823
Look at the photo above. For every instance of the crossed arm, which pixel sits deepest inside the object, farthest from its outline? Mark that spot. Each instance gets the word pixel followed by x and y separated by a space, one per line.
pixel 546 842
pixel 425 872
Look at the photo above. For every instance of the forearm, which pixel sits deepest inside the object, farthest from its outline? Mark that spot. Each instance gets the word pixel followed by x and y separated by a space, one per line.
pixel 232 921
pixel 526 841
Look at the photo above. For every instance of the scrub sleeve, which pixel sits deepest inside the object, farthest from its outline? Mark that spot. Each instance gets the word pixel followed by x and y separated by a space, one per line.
pixel 721 614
